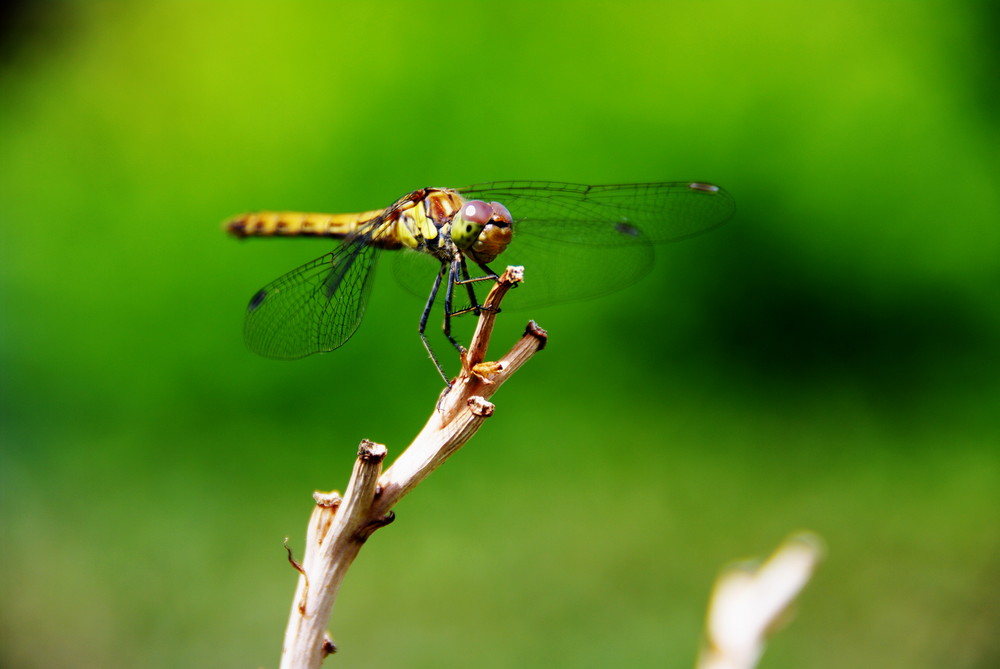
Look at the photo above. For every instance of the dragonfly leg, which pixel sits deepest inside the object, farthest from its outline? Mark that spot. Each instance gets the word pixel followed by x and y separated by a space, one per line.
pixel 423 323
pixel 453 274
pixel 468 282
pixel 489 274
pixel 469 287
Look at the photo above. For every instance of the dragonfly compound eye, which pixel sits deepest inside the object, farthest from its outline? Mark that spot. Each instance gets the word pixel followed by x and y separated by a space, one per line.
pixel 477 211
pixel 495 237
pixel 469 222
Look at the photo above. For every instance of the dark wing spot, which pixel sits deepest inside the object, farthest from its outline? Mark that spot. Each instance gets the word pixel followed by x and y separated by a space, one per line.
pixel 256 299
pixel 627 229
pixel 468 228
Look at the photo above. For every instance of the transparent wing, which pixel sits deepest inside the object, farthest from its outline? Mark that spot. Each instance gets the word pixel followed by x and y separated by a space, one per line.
pixel 416 272
pixel 555 272
pixel 315 308
pixel 567 271
pixel 577 241
pixel 624 214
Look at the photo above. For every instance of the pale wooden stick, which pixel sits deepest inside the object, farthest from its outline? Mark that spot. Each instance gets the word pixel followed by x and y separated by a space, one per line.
pixel 751 601
pixel 338 528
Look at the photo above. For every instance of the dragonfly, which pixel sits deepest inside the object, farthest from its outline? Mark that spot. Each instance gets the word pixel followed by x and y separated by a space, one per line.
pixel 582 241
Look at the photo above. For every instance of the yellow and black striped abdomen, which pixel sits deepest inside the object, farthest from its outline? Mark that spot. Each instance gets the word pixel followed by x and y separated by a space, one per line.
pixel 296 224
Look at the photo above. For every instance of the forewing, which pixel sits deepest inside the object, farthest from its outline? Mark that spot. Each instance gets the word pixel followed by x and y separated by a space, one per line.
pixel 315 308
pixel 609 215
pixel 577 241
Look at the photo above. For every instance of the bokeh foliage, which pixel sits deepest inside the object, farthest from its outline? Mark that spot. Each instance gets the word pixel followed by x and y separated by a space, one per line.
pixel 826 361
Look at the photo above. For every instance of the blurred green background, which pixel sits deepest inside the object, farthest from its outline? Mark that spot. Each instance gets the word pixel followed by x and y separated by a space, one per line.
pixel 827 361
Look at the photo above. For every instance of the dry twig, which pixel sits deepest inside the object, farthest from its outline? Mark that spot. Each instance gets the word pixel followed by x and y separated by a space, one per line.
pixel 752 600
pixel 339 527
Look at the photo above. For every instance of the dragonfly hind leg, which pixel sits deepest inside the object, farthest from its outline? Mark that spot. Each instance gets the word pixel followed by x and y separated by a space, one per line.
pixel 423 323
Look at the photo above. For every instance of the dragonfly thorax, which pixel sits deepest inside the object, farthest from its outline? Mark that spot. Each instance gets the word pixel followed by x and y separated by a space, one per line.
pixel 439 222
pixel 422 221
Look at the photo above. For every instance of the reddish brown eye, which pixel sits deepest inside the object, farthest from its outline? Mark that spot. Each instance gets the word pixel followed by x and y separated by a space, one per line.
pixel 500 213
pixel 477 211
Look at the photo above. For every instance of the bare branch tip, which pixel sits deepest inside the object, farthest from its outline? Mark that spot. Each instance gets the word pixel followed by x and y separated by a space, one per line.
pixel 370 451
pixel 512 275
pixel 533 330
pixel 330 499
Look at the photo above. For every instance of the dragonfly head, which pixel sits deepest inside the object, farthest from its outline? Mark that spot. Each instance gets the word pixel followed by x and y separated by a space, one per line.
pixel 482 230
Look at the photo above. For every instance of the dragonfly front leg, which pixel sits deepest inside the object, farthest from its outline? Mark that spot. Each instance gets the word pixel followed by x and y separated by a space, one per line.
pixel 470 289
pixel 468 282
pixel 423 320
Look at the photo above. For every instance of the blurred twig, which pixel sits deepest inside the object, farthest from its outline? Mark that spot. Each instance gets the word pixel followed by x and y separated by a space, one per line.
pixel 752 600
pixel 339 527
